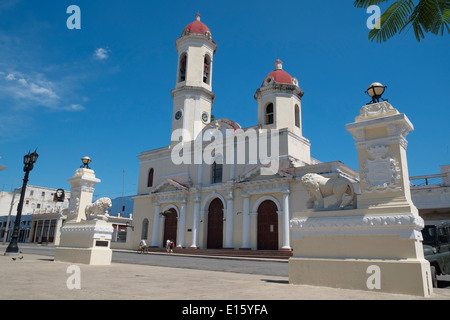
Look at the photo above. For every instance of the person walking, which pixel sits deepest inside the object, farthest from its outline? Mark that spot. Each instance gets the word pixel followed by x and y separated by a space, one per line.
pixel 172 245
pixel 168 245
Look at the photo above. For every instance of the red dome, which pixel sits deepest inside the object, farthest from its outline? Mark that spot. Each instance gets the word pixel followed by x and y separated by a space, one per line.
pixel 279 75
pixel 196 26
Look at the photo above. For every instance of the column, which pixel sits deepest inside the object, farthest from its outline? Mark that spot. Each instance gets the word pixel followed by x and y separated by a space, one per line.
pixel 232 170
pixel 195 222
pixel 81 193
pixel 246 222
pixel 380 136
pixel 229 221
pixel 181 225
pixel 286 230
pixel 155 232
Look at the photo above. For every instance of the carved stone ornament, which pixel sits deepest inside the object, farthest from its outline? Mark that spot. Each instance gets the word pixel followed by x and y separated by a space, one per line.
pixel 405 225
pixel 98 209
pixel 376 110
pixel 381 173
pixel 93 231
pixel 319 187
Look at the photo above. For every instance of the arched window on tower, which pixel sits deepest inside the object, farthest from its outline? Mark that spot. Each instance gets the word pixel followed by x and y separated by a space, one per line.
pixel 150 178
pixel 183 64
pixel 269 113
pixel 297 116
pixel 206 69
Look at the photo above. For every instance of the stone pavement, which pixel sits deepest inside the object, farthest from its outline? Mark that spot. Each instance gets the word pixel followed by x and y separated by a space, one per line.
pixel 37 277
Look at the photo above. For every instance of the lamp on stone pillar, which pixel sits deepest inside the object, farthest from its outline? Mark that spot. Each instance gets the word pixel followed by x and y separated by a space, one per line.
pixel 29 161
pixel 82 189
pixel 375 91
pixel 86 161
pixel 380 133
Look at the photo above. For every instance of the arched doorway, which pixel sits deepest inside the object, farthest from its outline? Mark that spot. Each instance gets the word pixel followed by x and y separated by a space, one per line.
pixel 170 226
pixel 267 226
pixel 215 225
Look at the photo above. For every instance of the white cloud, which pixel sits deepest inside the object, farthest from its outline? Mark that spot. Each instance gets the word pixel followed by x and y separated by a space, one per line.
pixel 36 90
pixel 101 54
pixel 74 107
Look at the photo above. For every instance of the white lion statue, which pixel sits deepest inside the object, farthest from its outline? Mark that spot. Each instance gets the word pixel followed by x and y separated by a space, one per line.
pixel 319 187
pixel 98 209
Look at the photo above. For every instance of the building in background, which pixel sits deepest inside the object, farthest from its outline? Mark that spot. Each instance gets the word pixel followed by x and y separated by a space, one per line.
pixel 41 215
pixel 431 195
pixel 7 225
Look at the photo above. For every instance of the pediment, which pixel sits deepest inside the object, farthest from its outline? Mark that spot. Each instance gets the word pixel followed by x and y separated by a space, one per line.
pixel 168 185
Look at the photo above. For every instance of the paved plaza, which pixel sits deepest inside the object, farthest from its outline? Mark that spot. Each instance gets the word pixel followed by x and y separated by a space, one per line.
pixel 38 277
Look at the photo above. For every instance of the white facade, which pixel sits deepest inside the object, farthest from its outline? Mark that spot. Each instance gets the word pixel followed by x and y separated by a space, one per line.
pixel 218 185
pixel 38 203
pixel 37 199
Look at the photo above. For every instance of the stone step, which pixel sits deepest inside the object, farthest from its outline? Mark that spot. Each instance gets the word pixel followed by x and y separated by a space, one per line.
pixel 266 254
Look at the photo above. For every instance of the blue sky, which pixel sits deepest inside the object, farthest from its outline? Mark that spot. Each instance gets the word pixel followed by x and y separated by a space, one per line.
pixel 104 90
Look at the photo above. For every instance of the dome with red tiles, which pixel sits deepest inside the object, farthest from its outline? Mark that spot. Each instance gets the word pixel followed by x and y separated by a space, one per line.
pixel 279 75
pixel 196 27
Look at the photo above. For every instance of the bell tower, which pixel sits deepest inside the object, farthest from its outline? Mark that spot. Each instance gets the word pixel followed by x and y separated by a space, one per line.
pixel 193 96
pixel 279 108
pixel 279 101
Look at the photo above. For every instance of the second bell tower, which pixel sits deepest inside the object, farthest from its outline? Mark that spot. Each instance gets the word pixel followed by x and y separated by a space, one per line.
pixel 193 96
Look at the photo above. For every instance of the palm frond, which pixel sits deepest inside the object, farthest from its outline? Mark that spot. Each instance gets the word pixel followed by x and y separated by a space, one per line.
pixel 430 16
pixel 441 18
pixel 392 20
pixel 367 3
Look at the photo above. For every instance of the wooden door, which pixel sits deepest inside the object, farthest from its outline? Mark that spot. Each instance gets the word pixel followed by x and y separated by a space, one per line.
pixel 267 226
pixel 170 226
pixel 215 225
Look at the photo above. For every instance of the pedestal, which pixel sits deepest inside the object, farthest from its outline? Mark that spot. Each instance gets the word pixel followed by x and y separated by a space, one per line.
pixel 352 249
pixel 85 242
pixel 81 192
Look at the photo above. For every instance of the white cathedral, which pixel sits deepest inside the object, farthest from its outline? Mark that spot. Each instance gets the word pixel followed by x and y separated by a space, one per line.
pixel 215 185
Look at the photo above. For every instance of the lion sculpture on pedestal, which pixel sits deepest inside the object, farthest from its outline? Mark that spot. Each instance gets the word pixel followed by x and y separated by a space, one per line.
pixel 319 187
pixel 98 209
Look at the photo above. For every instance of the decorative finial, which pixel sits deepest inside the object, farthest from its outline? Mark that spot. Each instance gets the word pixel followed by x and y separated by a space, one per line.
pixel 197 17
pixel 278 64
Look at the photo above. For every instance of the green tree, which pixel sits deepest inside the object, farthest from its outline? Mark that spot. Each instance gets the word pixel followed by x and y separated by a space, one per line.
pixel 422 15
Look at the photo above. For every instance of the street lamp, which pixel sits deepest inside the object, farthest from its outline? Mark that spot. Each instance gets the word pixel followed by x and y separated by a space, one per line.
pixel 86 161
pixel 28 160
pixel 376 90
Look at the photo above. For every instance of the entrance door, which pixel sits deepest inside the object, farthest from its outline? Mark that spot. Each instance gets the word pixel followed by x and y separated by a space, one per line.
pixel 215 225
pixel 267 226
pixel 170 226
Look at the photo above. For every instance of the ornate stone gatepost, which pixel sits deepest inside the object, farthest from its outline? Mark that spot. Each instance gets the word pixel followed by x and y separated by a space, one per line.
pixel 376 246
pixel 86 235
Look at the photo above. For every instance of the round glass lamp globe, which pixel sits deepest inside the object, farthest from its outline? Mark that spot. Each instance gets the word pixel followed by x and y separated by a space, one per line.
pixel 376 89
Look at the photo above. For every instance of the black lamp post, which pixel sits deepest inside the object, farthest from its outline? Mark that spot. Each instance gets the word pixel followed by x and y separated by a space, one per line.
pixel 28 160
pixel 375 91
